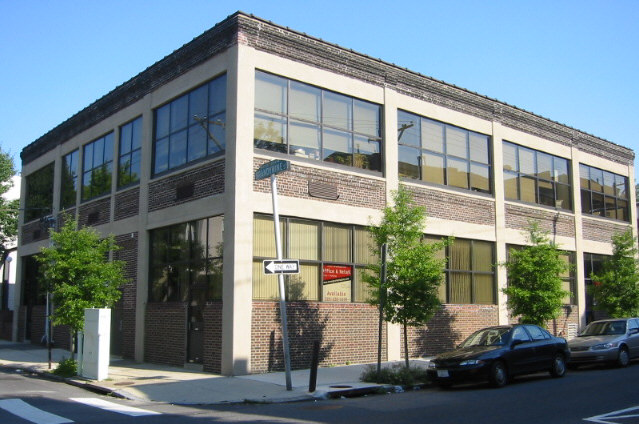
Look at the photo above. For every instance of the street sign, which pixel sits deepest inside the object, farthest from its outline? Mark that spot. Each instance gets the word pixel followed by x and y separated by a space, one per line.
pixel 284 266
pixel 272 167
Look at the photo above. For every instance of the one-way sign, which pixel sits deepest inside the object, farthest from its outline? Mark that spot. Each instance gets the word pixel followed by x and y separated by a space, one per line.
pixel 284 266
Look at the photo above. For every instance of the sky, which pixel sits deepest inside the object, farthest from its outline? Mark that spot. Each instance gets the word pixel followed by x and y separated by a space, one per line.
pixel 574 62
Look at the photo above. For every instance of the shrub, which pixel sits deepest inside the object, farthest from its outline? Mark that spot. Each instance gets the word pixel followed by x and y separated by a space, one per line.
pixel 396 375
pixel 66 368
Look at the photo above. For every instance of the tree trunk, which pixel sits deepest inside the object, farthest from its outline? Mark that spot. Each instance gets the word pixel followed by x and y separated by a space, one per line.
pixel 406 345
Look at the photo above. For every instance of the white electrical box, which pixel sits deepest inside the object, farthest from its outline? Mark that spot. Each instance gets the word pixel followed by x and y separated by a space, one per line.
pixel 96 346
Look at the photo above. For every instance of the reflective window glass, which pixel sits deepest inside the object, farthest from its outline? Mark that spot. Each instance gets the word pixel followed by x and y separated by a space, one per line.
pixel 432 136
pixel 613 202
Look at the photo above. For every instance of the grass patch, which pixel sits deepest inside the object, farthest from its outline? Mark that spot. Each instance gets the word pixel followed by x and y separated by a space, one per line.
pixel 397 375
pixel 66 368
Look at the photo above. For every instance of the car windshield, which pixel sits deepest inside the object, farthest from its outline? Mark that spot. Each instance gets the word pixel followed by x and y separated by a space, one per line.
pixel 487 337
pixel 605 328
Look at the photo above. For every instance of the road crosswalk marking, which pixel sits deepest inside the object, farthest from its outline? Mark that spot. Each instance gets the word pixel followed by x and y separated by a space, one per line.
pixel 114 407
pixel 31 413
pixel 35 415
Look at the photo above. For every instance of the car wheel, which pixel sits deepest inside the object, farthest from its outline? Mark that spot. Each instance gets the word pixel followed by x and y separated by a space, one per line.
pixel 558 368
pixel 498 374
pixel 623 359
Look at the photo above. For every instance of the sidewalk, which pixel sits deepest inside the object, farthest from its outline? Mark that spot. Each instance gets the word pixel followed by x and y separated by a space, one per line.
pixel 151 382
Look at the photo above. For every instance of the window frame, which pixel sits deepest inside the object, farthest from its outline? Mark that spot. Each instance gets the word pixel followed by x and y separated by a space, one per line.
pixel 73 175
pixel 42 208
pixel 105 163
pixel 130 152
pixel 588 193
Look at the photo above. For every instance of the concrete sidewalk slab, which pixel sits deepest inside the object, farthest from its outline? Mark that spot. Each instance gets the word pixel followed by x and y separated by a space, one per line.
pixel 159 383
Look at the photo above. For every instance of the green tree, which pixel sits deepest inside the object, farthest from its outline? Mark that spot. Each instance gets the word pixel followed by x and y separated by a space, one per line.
pixel 78 273
pixel 413 271
pixel 8 208
pixel 615 289
pixel 534 284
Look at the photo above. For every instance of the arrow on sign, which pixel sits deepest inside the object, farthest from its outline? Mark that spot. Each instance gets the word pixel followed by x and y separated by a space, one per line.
pixel 286 266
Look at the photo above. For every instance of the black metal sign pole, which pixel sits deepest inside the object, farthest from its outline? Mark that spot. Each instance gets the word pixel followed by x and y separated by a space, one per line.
pixel 382 299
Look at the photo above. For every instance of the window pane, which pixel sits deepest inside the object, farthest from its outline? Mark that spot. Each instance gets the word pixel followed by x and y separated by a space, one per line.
pixel 562 193
pixel 337 111
pixel 598 206
pixel 456 142
pixel 408 129
pixel 459 253
pixel 366 118
pixel 336 283
pixel 264 237
pixel 363 291
pixel 177 150
pixel 510 157
pixel 483 256
pixel 460 287
pixel 337 147
pixel 609 183
pixel 270 133
pixel 305 285
pixel 270 93
pixel 125 139
pixel 217 134
pixel 304 240
pixel 586 200
pixel 457 173
pixel 364 247
pixel 337 243
pixel 265 286
pixel 546 193
pixel 528 191
pixel 433 168
pixel 408 162
pixel 544 166
pixel 162 120
pixel 179 113
pixel 484 289
pixel 621 186
pixel 479 148
pixel 611 208
pixel 217 95
pixel 367 153
pixel 510 186
pixel 161 155
pixel 479 178
pixel 305 102
pixel 596 179
pixel 561 170
pixel 197 142
pixel 584 176
pixel 87 153
pixel 622 210
pixel 304 140
pixel 432 136
pixel 526 161
pixel 198 103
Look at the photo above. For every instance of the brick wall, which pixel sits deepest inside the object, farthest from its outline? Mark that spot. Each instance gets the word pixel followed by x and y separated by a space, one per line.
pixel 519 216
pixel 353 190
pixel 204 181
pixel 32 232
pixel 127 303
pixel 213 337
pixel 450 325
pixel 95 213
pixel 127 203
pixel 165 334
pixel 601 230
pixel 6 321
pixel 455 207
pixel 347 333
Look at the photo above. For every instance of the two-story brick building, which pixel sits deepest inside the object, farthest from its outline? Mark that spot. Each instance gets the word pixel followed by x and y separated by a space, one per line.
pixel 166 163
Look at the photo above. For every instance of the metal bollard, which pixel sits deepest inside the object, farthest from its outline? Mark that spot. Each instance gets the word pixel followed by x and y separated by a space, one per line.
pixel 312 381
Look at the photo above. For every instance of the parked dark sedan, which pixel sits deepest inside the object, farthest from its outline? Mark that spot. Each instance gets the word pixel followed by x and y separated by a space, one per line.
pixel 496 354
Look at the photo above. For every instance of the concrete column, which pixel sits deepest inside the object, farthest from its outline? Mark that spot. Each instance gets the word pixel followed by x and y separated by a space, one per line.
pixel 580 277
pixel 238 214
pixel 500 220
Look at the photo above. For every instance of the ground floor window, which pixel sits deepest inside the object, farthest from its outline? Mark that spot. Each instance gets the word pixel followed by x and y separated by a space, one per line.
pixel 332 258
pixel 470 273
pixel 593 264
pixel 186 262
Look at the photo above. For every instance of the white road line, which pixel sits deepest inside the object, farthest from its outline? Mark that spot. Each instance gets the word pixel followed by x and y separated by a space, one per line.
pixel 114 407
pixel 614 415
pixel 30 413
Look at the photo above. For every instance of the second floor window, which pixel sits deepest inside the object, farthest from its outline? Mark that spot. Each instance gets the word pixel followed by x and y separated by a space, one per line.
pixel 310 122
pixel 604 193
pixel 443 154
pixel 536 177
pixel 97 167
pixel 69 186
pixel 130 153
pixel 39 196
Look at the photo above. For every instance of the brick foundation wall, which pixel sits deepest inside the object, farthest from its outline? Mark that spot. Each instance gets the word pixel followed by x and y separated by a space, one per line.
pixel 213 337
pixel 518 217
pixel 347 332
pixel 127 303
pixel 601 230
pixel 127 203
pixel 95 213
pixel 450 325
pixel 32 232
pixel 455 207
pixel 165 333
pixel 197 183
pixel 6 321
pixel 353 190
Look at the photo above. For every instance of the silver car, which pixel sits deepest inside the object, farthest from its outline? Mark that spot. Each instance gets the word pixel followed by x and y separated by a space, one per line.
pixel 609 340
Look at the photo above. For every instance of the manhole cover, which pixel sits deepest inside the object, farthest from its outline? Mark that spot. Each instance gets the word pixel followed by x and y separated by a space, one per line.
pixel 341 386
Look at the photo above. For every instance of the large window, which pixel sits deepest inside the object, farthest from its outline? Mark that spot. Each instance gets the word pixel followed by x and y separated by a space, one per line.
pixel 186 262
pixel 593 264
pixel 604 193
pixel 191 127
pixel 39 196
pixel 130 153
pixel 98 167
pixel 443 154
pixel 309 122
pixel 332 260
pixel 533 176
pixel 470 274
pixel 69 184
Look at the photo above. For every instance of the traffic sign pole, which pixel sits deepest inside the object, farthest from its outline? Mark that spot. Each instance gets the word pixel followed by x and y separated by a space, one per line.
pixel 280 277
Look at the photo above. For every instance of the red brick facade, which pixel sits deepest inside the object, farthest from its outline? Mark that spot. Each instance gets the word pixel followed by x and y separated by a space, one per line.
pixel 560 223
pixel 455 207
pixel 165 336
pixel 601 230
